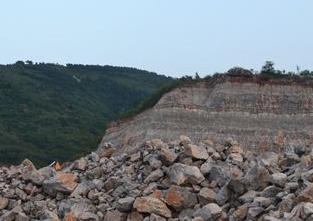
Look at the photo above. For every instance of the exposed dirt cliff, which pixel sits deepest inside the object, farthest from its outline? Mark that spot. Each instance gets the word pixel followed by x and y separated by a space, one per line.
pixel 256 111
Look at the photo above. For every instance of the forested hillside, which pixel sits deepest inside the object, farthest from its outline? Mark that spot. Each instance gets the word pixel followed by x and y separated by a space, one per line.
pixel 53 112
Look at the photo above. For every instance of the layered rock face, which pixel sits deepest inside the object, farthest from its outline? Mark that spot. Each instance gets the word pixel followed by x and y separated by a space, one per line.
pixel 256 113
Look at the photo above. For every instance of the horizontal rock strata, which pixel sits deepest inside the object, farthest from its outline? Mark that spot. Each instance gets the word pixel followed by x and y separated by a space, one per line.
pixel 255 113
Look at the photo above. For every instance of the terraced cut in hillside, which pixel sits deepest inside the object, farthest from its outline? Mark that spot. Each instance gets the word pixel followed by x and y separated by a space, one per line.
pixel 256 112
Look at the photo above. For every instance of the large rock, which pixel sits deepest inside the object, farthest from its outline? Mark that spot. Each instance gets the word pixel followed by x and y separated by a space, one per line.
pixel 270 191
pixel 279 179
pixel 259 174
pixel 134 216
pixel 82 211
pixel 3 203
pixel 167 156
pixel 125 204
pixel 210 212
pixel 16 214
pixel 80 164
pixel 235 154
pixel 30 173
pixel 49 216
pixel 240 213
pixel 306 195
pixel 154 217
pixel 197 152
pixel 82 189
pixel 107 152
pixel 152 205
pixel 181 174
pixel 62 182
pixel 180 198
pixel 156 143
pixel 302 211
pixel 254 212
pixel 206 196
pixel 219 173
pixel 154 176
pixel 223 196
pixel 115 216
pixel 248 196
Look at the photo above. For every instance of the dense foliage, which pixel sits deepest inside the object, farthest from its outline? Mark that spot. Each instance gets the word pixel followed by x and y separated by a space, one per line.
pixel 53 112
pixel 269 70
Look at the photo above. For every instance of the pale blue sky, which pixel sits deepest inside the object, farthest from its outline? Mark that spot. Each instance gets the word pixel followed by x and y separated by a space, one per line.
pixel 173 37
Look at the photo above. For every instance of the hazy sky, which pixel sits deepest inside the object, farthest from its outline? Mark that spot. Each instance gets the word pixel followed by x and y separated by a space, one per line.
pixel 173 37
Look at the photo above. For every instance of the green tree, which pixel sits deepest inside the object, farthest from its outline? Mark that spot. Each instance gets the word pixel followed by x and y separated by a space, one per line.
pixel 306 73
pixel 268 68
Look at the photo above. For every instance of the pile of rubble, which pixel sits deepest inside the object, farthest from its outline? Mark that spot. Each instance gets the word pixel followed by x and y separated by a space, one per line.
pixel 164 181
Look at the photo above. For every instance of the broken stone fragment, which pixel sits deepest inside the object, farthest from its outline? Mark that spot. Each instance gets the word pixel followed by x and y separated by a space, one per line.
pixel 219 173
pixel 82 211
pixel 15 214
pixel 152 205
pixel 134 216
pixel 306 195
pixel 154 217
pixel 248 196
pixel 240 213
pixel 154 176
pixel 184 140
pixel 262 201
pixel 114 215
pixel 279 179
pixel 155 144
pixel 206 196
pixel 254 211
pixel 223 196
pixel 302 211
pixel 181 174
pixel 259 174
pixel 3 203
pixel 30 173
pixel 108 152
pixel 125 204
pixel 270 191
pixel 308 175
pixel 80 164
pixel 237 186
pixel 82 189
pixel 235 158
pixel 49 216
pixel 197 152
pixel 209 212
pixel 47 172
pixel 62 182
pixel 235 154
pixel 180 198
pixel 111 183
pixel 135 156
pixel 167 156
